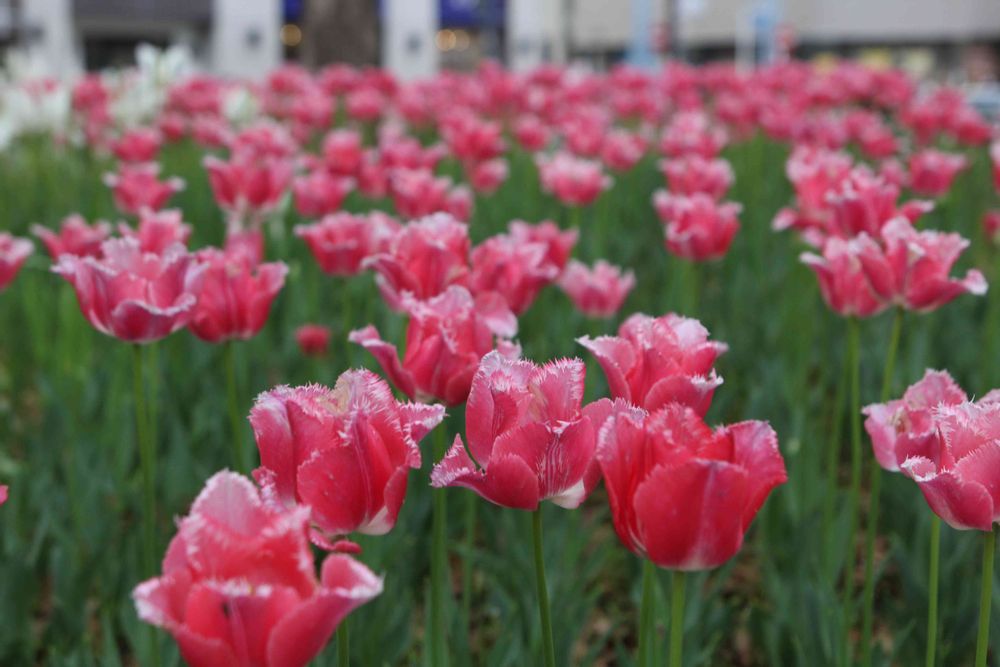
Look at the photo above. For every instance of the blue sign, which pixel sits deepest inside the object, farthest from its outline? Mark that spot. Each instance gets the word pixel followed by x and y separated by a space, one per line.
pixel 471 13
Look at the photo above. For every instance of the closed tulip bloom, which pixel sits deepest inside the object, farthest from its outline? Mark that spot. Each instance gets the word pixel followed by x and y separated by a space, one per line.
pixel 932 171
pixel 158 230
pixel 654 361
pixel 573 181
pixel 313 339
pixel 907 426
pixel 531 133
pixel 138 145
pixel 320 193
pixel 135 296
pixel 959 480
pixel 910 267
pixel 692 133
pixel 696 226
pixel 345 452
pixel 529 434
pixel 991 226
pixel 842 281
pixel 559 243
pixel 342 241
pixel 14 252
pixel 75 237
pixel 682 495
pixel 599 291
pixel 486 177
pixel 3 493
pixel 693 173
pixel 515 270
pixel 246 187
pixel 343 151
pixel 418 192
pixel 865 202
pixel 137 186
pixel 423 260
pixel 235 296
pixel 622 150
pixel 239 586
pixel 445 339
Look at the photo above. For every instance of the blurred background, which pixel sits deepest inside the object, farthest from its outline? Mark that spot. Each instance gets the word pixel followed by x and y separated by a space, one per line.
pixel 952 40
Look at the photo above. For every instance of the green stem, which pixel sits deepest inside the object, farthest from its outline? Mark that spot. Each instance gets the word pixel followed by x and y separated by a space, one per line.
pixel 543 591
pixel 677 619
pixel 439 563
pixel 471 502
pixel 343 645
pixel 854 359
pixel 647 612
pixel 232 395
pixel 985 598
pixel 833 464
pixel 147 462
pixel 875 473
pixel 932 590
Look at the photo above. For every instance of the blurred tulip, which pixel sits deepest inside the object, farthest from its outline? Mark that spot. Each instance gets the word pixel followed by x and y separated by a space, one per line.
pixel 158 230
pixel 842 280
pixel 932 172
pixel 693 174
pixel 138 145
pixel 75 237
pixel 248 189
pixel 559 244
pixel 14 252
pixel 342 241
pixel 313 339
pixel 318 194
pixel 137 186
pixel 599 291
pixel 697 228
pixel 573 181
pixel 513 269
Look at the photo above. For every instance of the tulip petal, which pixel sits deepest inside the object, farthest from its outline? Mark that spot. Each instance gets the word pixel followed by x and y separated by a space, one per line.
pixel 509 481
pixel 755 448
pixel 387 357
pixel 616 357
pixel 962 505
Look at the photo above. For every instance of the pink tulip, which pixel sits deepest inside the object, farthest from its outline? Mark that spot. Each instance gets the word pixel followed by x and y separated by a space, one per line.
pixel 3 494
pixel 14 252
pixel 75 237
pixel 248 189
pixel 696 226
pixel 313 339
pixel 486 177
pixel 573 181
pixel 995 159
pixel 814 174
pixel 138 145
pixel 991 226
pixel 135 296
pixel 559 244
pixel 531 133
pixel 692 133
pixel 235 296
pixel 137 186
pixel 842 280
pixel 345 452
pixel 654 361
pixel 621 150
pixel 342 241
pixel 932 171
pixel 515 270
pixel 319 193
pixel 693 173
pixel 597 292
pixel 865 202
pixel 682 495
pixel 342 152
pixel 531 438
pixel 472 140
pixel 239 587
pixel 446 337
pixel 910 267
pixel 418 192
pixel 158 230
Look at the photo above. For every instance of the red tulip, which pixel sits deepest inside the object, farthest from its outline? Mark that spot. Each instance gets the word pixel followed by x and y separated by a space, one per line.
pixel 486 177
pixel 513 269
pixel 319 193
pixel 137 186
pixel 135 296
pixel 959 480
pixel 445 339
pixel 842 281
pixel 158 230
pixel 865 202
pixel 344 452
pixel 418 192
pixel 246 188
pixel 681 494
pixel 423 260
pixel 599 291
pixel 14 252
pixel 692 133
pixel 239 587
pixel 313 339
pixel 693 173
pixel 907 427
pixel 814 174
pixel 932 171
pixel 531 133
pixel 910 267
pixel 138 145
pixel 696 226
pixel 235 296
pixel 622 150
pixel 654 361
pixel 75 237
pixel 342 152
pixel 528 433
pixel 248 244
pixel 342 241
pixel 991 226
pixel 559 244
pixel 573 181
pixel 3 494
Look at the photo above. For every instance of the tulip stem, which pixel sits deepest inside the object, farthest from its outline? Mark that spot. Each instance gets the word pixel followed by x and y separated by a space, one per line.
pixel 833 463
pixel 677 618
pixel 232 395
pixel 932 590
pixel 875 473
pixel 986 598
pixel 470 544
pixel 439 563
pixel 147 463
pixel 343 645
pixel 647 612
pixel 854 359
pixel 543 591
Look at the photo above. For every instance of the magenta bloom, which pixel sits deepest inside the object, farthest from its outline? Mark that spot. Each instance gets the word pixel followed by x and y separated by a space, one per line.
pixel 573 181
pixel 135 296
pixel 234 299
pixel 682 495
pixel 910 267
pixel 696 226
pixel 14 252
pixel 344 452
pixel 693 173
pixel 239 586
pixel 158 230
pixel 907 427
pixel 529 435
pixel 514 269
pixel 140 144
pixel 320 193
pixel 137 186
pixel 343 151
pixel 342 241
pixel 599 291
pixel 932 171
pixel 446 337
pixel 75 237
pixel 486 177
pixel 865 202
pixel 654 361
pixel 247 188
pixel 313 339
pixel 3 493
pixel 559 244
pixel 842 281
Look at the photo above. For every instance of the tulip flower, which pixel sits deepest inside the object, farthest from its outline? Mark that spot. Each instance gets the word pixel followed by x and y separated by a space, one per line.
pixel 559 244
pixel 239 586
pixel 681 494
pixel 654 361
pixel 137 186
pixel 446 337
pixel 991 226
pixel 693 173
pixel 932 172
pixel 319 193
pixel 696 227
pixel 133 295
pixel 622 150
pixel 691 133
pixel 486 177
pixel 248 189
pixel 344 452
pixel 3 494
pixel 343 152
pixel 599 291
pixel 911 267
pixel 75 237
pixel 138 145
pixel 14 252
pixel 842 281
pixel 573 181
pixel 513 269
pixel 341 242
pixel 158 230
pixel 865 202
pixel 529 435
pixel 313 339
